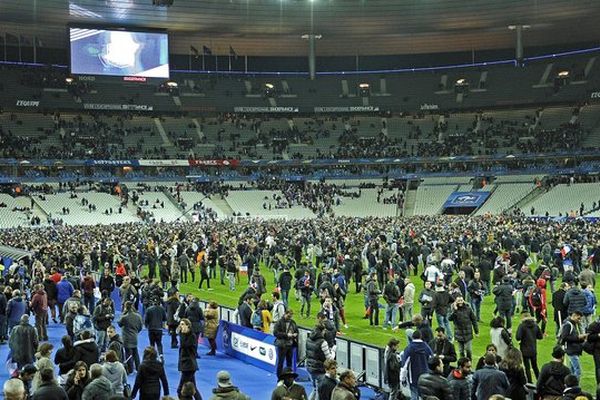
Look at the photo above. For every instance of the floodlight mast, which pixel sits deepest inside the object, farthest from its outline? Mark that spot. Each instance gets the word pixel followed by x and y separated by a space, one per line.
pixel 312 44
pixel 519 43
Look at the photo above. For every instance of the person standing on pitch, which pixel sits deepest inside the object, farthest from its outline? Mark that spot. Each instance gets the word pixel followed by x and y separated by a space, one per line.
pixel 286 334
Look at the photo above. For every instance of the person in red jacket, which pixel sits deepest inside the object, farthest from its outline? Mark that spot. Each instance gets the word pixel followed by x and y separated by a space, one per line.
pixel 537 302
pixel 39 307
pixel 87 287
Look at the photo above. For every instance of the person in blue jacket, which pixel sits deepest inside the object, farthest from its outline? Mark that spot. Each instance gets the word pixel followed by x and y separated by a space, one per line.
pixel 64 290
pixel 15 309
pixel 416 355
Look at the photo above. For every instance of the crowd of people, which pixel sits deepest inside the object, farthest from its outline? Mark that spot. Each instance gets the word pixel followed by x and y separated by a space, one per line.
pixel 520 264
pixel 125 135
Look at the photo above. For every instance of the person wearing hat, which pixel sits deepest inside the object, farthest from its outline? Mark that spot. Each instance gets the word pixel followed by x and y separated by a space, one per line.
pixel 225 389
pixel 23 342
pixel 26 375
pixel 287 388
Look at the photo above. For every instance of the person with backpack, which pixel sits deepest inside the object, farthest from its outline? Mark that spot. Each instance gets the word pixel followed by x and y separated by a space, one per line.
pixel 278 309
pixel 572 338
pixel 527 335
pixel 102 319
pixel 261 317
pixel 537 302
pixel 550 383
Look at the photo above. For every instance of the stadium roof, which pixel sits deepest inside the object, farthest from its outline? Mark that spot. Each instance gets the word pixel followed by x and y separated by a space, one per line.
pixel 349 27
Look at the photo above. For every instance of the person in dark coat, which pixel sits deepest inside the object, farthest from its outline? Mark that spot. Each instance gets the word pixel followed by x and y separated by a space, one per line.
pixel 441 305
pixel 154 319
pixel 196 316
pixel 285 284
pixel 329 381
pixel 172 305
pixel 115 343
pixel 593 331
pixel 560 311
pixel 48 389
pixel 460 379
pixel 512 366
pixel 419 353
pixel 107 282
pixel 77 380
pixel 52 293
pixel 443 349
pixel 420 324
pixel 573 338
pixel 15 308
pixel 286 339
pixel 433 383
pixel 131 325
pixel 245 312
pixel 504 300
pixel 573 391
pixel 104 313
pixel 150 376
pixel 488 380
pixel 86 349
pixel 65 356
pixel 23 342
pixel 391 374
pixel 187 363
pixel 99 387
pixel 465 322
pixel 550 383
pixel 528 333
pixel 574 300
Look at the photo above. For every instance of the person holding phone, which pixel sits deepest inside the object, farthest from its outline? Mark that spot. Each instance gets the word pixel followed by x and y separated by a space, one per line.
pixel 77 380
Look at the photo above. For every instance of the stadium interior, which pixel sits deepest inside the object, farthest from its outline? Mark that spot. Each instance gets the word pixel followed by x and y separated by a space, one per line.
pixel 296 110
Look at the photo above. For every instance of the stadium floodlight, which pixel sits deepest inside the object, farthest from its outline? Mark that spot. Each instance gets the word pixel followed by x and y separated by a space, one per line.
pixel 461 85
pixel 269 90
pixel 364 89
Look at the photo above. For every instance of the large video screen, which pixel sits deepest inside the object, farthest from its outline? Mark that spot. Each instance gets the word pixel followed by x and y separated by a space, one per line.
pixel 119 53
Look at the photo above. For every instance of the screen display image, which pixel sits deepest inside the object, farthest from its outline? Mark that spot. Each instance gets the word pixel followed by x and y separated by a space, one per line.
pixel 119 53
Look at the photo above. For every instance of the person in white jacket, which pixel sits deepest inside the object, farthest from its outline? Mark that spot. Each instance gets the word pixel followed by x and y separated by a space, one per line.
pixel 409 299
